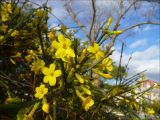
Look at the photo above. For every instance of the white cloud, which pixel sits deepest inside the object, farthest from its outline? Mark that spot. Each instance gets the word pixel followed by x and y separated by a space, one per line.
pixel 142 60
pixel 138 43
pixel 150 53
pixel 147 28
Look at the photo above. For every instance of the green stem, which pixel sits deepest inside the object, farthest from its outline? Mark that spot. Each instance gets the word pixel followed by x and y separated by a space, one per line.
pixel 30 115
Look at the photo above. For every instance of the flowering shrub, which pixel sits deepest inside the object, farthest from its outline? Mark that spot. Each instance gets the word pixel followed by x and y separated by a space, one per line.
pixel 51 74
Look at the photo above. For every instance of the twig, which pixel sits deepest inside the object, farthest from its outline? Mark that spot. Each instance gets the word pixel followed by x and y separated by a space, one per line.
pixel 74 17
pixel 139 24
pixel 91 32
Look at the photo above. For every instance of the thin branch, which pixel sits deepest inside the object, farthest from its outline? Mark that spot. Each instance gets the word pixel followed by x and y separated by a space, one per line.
pixel 91 32
pixel 139 24
pixel 74 17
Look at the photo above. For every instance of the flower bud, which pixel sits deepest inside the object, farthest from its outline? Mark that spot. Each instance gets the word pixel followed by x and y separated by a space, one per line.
pixel 79 78
pixel 45 107
pixel 108 23
pixel 107 76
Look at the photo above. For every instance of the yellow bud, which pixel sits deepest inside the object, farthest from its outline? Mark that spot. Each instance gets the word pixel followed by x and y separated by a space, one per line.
pixel 107 76
pixel 86 90
pixel 108 23
pixel 150 111
pixel 117 32
pixel 70 75
pixel 52 35
pixel 45 107
pixel 79 78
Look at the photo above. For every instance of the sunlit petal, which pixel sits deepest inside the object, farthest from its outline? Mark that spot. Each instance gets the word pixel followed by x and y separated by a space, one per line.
pixel 96 46
pixel 55 45
pixel 52 81
pixel 91 49
pixel 70 52
pixel 68 42
pixel 57 73
pixel 52 67
pixel 60 53
pixel 61 39
pixel 45 71
pixel 46 79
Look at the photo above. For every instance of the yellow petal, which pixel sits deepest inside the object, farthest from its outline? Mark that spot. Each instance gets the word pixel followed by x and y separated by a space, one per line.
pixel 107 76
pixel 61 39
pixel 68 42
pixel 57 73
pixel 45 107
pixel 88 102
pixel 105 61
pixel 52 67
pixel 96 46
pixel 60 53
pixel 86 90
pixel 99 55
pixel 110 68
pixel 91 49
pixel 79 78
pixel 52 81
pixel 55 44
pixel 46 79
pixel 45 71
pixel 70 52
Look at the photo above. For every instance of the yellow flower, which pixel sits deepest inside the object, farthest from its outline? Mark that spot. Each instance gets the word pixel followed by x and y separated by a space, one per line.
pixel 63 47
pixel 14 33
pixel 32 55
pixel 6 9
pixel 37 66
pixel 5 17
pixel 3 28
pixel 95 50
pixel 45 107
pixel 41 91
pixel 87 102
pixel 51 74
pixel 39 13
pixel 107 64
pixel 150 111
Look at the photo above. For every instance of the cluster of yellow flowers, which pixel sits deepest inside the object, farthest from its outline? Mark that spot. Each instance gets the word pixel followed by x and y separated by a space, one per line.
pixel 63 47
pixel 6 10
pixel 63 51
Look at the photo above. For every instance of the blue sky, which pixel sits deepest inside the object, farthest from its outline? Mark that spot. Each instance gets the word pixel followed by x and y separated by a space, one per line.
pixel 143 42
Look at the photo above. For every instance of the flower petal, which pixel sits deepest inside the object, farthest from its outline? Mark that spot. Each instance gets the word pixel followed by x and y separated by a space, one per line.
pixel 91 49
pixel 57 73
pixel 45 71
pixel 96 46
pixel 110 68
pixel 55 44
pixel 60 53
pixel 52 81
pixel 61 39
pixel 70 52
pixel 46 79
pixel 52 67
pixel 68 42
